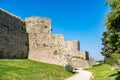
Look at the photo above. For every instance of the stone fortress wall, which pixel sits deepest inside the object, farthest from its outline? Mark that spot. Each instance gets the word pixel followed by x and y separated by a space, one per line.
pixel 13 38
pixel 37 43
pixel 52 48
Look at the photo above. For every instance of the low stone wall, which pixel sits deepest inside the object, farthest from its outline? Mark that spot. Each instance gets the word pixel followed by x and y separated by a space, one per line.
pixel 80 63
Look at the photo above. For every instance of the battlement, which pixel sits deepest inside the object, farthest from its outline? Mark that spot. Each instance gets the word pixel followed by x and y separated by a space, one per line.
pixel 38 25
pixel 37 18
pixel 84 54
pixel 72 45
pixel 57 36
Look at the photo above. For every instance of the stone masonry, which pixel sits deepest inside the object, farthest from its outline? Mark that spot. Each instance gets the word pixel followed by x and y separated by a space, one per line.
pixel 32 38
pixel 13 38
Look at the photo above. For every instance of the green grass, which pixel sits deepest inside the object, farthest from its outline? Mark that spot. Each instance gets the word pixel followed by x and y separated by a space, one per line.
pixel 24 69
pixel 103 72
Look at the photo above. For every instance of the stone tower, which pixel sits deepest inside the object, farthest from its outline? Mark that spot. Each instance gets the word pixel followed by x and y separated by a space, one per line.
pixel 72 47
pixel 43 46
pixel 39 30
pixel 41 25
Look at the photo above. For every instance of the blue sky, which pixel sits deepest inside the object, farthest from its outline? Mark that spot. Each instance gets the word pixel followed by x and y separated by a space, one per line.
pixel 81 20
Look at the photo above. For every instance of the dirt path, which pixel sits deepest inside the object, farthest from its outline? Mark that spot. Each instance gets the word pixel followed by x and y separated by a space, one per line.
pixel 82 75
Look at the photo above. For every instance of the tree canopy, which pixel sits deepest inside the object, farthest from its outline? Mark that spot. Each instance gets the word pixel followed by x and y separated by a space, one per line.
pixel 111 37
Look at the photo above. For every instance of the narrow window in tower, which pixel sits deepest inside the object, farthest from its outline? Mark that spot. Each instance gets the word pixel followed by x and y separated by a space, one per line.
pixel 45 26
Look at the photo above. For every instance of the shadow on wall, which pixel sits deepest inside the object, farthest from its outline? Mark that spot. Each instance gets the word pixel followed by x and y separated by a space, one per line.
pixel 13 37
pixel 12 47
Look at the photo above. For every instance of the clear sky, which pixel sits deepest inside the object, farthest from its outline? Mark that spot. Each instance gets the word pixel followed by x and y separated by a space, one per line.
pixel 81 20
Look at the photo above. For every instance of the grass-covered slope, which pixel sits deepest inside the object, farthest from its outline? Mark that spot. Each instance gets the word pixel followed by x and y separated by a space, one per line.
pixel 23 69
pixel 104 72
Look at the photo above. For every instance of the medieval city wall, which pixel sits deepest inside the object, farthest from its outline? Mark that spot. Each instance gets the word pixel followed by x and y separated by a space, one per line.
pixel 44 46
pixel 72 47
pixel 13 37
pixel 84 54
pixel 51 48
pixel 32 38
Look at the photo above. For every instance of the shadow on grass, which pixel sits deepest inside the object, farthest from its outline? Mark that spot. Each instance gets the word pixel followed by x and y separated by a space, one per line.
pixel 98 65
pixel 117 78
pixel 117 75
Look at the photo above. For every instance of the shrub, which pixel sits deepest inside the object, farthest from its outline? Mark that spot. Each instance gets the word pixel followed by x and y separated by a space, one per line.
pixel 69 68
pixel 23 27
pixel 114 61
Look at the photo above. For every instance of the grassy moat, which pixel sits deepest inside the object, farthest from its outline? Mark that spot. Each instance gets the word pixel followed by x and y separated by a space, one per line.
pixel 24 69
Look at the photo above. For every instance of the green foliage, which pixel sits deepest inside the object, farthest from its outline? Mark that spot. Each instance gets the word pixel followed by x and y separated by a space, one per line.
pixel 104 72
pixel 23 27
pixel 24 69
pixel 78 57
pixel 111 37
pixel 69 68
pixel 113 3
pixel 114 60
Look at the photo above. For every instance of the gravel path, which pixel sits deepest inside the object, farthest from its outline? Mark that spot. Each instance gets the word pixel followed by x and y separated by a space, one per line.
pixel 82 75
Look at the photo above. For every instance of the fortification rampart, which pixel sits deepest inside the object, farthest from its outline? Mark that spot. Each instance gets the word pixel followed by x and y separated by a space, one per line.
pixel 13 37
pixel 72 47
pixel 44 46
pixel 34 35
pixel 51 48
pixel 84 54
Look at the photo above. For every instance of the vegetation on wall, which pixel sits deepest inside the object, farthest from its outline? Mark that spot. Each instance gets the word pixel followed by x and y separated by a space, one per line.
pixel 23 27
pixel 111 37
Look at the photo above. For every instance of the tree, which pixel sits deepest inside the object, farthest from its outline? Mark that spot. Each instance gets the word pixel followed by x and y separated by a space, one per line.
pixel 111 37
pixel 114 60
